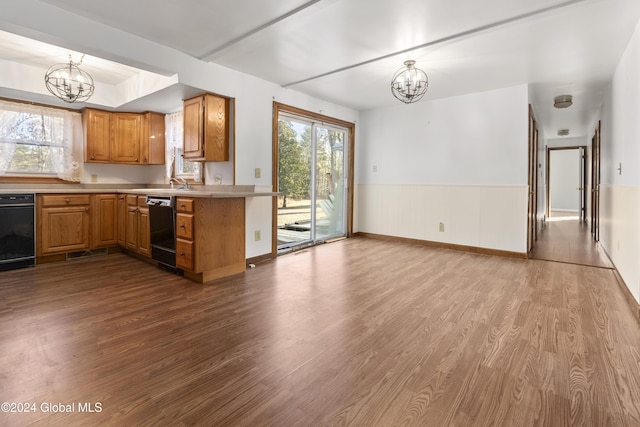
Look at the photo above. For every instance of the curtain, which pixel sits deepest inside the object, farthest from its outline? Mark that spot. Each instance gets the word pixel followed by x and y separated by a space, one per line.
pixel 175 166
pixel 38 140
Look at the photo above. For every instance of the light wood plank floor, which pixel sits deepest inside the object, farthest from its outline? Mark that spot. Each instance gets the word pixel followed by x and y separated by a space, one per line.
pixel 358 332
pixel 569 241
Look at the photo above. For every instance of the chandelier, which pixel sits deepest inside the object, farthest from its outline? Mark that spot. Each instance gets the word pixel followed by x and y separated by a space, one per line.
pixel 68 82
pixel 409 84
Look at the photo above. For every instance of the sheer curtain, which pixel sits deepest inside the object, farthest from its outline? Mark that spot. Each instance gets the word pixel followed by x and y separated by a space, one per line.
pixel 40 140
pixel 176 166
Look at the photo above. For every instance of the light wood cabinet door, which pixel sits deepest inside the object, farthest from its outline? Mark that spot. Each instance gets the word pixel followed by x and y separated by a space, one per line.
pixel 97 135
pixel 152 141
pixel 64 229
pixel 125 137
pixel 104 220
pixel 144 234
pixel 193 116
pixel 122 220
pixel 216 128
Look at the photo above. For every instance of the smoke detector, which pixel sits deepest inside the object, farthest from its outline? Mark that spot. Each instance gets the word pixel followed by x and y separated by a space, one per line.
pixel 563 132
pixel 563 101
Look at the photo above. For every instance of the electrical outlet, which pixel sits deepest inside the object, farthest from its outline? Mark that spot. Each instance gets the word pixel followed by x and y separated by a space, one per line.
pixel 217 179
pixel 94 177
pixel 256 235
pixel 258 172
pixel 375 168
pixel 441 227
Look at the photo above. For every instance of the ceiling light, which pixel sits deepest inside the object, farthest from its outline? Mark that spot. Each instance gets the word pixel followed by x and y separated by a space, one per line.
pixel 563 132
pixel 563 101
pixel 409 84
pixel 68 82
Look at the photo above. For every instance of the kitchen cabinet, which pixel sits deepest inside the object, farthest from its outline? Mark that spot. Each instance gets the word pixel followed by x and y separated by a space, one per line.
pixel 104 220
pixel 126 130
pixel 97 135
pixel 152 140
pixel 124 138
pixel 206 128
pixel 63 223
pixel 122 218
pixel 137 235
pixel 210 237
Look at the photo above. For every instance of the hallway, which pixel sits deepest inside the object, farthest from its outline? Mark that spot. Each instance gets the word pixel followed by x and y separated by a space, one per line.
pixel 565 239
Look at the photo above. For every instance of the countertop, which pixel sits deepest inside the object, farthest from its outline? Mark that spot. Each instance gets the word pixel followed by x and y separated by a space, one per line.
pixel 213 191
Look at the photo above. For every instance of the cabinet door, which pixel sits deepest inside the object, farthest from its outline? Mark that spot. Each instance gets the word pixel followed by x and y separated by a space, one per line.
pixel 104 220
pixel 131 233
pixel 122 220
pixel 97 133
pixel 193 116
pixel 152 142
pixel 64 229
pixel 144 233
pixel 216 128
pixel 126 132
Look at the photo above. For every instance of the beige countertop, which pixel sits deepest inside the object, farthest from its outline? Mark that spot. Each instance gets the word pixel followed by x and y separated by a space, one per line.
pixel 215 191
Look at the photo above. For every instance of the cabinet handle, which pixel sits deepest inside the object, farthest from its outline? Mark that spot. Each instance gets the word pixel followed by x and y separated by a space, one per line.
pixel 145 159
pixel 181 253
pixel 136 159
pixel 93 157
pixel 86 209
pixel 183 206
pixel 181 225
pixel 67 201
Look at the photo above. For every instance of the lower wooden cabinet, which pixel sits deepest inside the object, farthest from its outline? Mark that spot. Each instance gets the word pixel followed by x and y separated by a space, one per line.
pixel 63 223
pixel 210 237
pixel 137 235
pixel 104 220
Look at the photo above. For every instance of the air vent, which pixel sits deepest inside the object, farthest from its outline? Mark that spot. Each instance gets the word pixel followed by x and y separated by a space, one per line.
pixel 563 132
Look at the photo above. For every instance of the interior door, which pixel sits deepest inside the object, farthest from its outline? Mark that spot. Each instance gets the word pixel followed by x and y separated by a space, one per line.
pixel 595 183
pixel 582 180
pixel 532 179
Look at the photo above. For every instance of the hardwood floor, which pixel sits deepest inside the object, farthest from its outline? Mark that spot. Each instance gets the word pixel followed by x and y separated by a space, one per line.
pixel 569 241
pixel 358 332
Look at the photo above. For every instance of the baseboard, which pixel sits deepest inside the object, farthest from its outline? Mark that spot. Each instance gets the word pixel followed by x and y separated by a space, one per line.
pixel 258 259
pixel 441 245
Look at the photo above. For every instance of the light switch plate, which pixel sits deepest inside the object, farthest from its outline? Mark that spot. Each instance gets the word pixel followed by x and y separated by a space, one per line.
pixel 258 173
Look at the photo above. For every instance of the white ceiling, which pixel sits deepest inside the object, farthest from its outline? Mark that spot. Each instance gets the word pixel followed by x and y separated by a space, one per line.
pixel 346 51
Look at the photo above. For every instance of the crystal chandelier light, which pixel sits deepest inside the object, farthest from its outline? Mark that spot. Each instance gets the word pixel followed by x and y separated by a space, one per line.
pixel 409 84
pixel 68 82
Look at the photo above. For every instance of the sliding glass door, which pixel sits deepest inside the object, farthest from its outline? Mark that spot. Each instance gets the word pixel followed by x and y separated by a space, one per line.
pixel 311 178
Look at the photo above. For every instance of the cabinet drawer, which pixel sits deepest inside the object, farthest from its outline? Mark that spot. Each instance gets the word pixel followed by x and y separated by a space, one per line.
pixel 185 205
pixel 132 200
pixel 64 200
pixel 184 254
pixel 184 226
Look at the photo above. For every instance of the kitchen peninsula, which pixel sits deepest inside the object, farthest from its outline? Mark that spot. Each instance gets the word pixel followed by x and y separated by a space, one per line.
pixel 209 224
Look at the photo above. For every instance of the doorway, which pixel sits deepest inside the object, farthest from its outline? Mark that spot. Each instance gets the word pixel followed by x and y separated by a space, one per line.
pixel 566 183
pixel 313 158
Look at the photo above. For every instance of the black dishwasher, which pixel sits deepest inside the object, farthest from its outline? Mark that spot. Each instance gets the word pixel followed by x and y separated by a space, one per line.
pixel 17 231
pixel 162 229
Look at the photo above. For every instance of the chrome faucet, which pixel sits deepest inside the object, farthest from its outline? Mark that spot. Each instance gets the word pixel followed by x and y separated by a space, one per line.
pixel 184 184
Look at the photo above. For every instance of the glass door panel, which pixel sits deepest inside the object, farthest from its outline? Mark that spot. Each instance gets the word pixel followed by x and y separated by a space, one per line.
pixel 330 183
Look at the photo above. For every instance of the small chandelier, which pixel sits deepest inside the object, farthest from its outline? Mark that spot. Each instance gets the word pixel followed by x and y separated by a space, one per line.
pixel 409 84
pixel 68 82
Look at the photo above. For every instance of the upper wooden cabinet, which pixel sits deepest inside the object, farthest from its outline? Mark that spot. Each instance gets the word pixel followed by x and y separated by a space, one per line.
pixel 152 141
pixel 97 134
pixel 206 128
pixel 127 138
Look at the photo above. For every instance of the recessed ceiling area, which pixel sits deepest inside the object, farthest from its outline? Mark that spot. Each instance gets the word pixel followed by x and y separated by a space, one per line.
pixel 347 51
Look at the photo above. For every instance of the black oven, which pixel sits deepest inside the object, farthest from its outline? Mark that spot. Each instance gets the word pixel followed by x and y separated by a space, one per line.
pixel 162 228
pixel 17 231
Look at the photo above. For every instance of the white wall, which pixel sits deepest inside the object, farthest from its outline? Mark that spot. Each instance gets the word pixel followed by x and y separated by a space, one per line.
pixel 620 191
pixel 564 179
pixel 461 161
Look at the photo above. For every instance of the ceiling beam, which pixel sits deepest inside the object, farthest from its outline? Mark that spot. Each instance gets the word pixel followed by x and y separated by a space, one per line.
pixel 211 55
pixel 451 38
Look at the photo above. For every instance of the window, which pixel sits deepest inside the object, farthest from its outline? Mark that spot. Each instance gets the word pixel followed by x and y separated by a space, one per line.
pixel 40 141
pixel 177 167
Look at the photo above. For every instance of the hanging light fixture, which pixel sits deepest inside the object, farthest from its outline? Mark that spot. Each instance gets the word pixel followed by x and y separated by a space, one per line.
pixel 409 84
pixel 68 82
